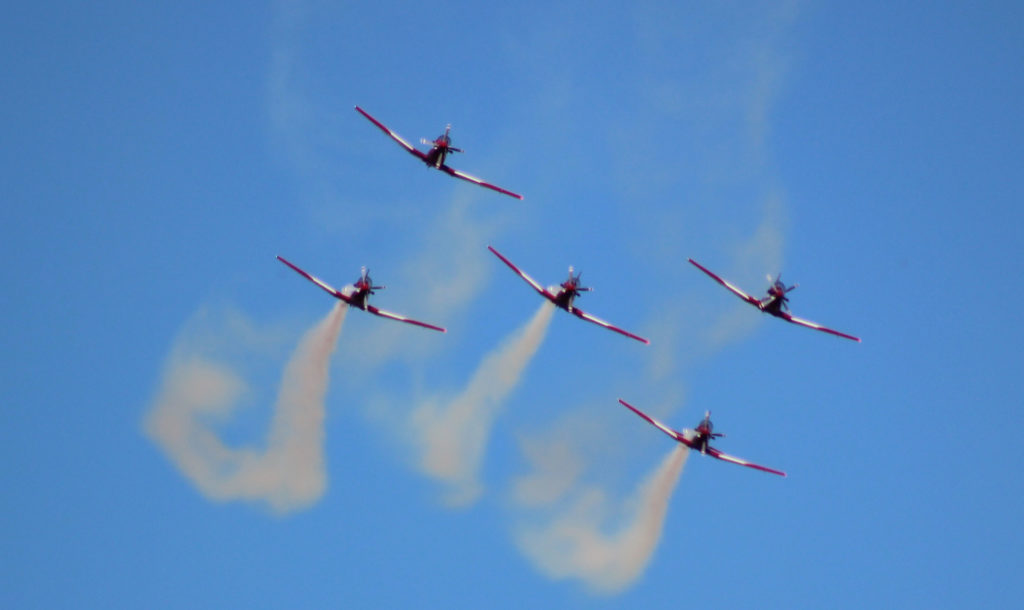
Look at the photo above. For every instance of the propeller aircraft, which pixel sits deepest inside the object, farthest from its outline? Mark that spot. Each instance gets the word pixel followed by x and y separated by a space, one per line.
pixel 358 295
pixel 438 153
pixel 776 303
pixel 564 295
pixel 700 439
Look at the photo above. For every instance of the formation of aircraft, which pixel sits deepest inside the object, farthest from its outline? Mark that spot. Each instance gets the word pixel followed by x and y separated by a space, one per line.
pixel 776 303
pixel 440 148
pixel 358 295
pixel 564 295
pixel 700 439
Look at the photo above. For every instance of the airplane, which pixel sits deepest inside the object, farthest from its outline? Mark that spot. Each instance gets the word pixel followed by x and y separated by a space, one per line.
pixel 700 439
pixel 358 295
pixel 564 294
pixel 776 303
pixel 438 153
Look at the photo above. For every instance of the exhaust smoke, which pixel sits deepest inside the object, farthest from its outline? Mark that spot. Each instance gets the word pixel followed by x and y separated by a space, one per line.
pixel 289 473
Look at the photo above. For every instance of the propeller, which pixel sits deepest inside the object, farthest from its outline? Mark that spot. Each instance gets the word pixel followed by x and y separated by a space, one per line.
pixel 574 281
pixel 444 141
pixel 778 283
pixel 365 280
pixel 709 427
pixel 439 142
pixel 778 289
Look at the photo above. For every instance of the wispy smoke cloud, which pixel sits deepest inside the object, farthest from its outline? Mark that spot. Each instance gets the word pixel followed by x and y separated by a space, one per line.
pixel 289 473
pixel 763 250
pixel 452 437
pixel 443 279
pixel 576 543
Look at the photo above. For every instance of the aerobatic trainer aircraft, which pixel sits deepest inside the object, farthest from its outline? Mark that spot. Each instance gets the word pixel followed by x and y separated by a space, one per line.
pixel 358 295
pixel 564 294
pixel 435 157
pixel 775 303
pixel 700 439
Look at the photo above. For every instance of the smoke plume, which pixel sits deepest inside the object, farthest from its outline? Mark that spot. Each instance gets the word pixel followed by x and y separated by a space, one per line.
pixel 574 544
pixel 289 473
pixel 452 437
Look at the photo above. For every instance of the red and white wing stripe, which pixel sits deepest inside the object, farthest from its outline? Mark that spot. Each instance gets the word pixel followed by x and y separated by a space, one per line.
pixel 529 280
pixel 789 318
pixel 401 318
pixel 469 178
pixel 746 297
pixel 669 431
pixel 715 453
pixel 589 318
pixel 314 279
pixel 393 135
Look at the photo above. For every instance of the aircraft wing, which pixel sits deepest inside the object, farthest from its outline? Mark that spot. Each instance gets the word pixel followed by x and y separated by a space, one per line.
pixel 579 313
pixel 394 136
pixel 746 297
pixel 715 453
pixel 327 287
pixel 790 318
pixel 529 280
pixel 401 318
pixel 464 176
pixel 657 424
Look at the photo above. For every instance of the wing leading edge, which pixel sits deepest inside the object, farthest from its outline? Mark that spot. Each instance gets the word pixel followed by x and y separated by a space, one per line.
pixel 394 136
pixel 322 284
pixel 529 280
pixel 657 424
pixel 401 318
pixel 715 453
pixel 451 171
pixel 746 297
pixel 814 325
pixel 579 313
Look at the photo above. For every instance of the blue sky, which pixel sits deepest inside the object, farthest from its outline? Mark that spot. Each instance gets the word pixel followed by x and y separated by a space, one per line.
pixel 156 159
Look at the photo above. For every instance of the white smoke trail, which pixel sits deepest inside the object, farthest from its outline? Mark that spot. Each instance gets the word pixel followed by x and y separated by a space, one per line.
pixel 289 474
pixel 574 545
pixel 452 438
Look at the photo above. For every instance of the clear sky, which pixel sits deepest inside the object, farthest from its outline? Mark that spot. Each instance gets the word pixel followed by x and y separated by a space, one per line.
pixel 176 431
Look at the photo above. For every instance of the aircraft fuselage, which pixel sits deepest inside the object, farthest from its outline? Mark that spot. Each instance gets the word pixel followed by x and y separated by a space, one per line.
pixel 695 439
pixel 436 156
pixel 357 296
pixel 563 297
pixel 772 305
